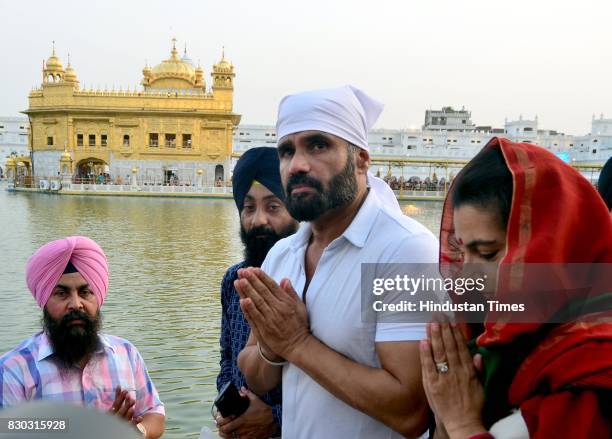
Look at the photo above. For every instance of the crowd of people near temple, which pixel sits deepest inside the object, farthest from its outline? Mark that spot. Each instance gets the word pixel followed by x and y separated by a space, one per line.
pixel 415 183
pixel 293 341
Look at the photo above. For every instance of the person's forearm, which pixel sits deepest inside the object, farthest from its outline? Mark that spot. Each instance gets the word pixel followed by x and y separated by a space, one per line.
pixel 373 391
pixel 154 424
pixel 225 372
pixel 260 376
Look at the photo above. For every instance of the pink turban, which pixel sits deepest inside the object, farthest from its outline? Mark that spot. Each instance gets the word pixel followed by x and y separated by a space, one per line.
pixel 47 265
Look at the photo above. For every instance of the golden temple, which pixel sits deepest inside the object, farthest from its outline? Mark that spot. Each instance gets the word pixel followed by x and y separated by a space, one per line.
pixel 173 128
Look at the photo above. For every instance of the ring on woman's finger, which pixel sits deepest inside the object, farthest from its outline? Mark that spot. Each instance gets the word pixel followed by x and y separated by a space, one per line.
pixel 442 367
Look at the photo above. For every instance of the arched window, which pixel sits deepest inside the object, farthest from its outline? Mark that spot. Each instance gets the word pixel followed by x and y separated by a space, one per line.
pixel 126 140
pixel 219 175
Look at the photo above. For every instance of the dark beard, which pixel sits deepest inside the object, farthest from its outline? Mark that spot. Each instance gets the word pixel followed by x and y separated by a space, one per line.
pixel 256 249
pixel 71 344
pixel 309 207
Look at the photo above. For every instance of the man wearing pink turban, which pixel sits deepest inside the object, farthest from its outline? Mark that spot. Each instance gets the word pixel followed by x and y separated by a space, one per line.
pixel 70 359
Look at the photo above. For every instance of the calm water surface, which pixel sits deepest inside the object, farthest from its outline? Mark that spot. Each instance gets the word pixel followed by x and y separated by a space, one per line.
pixel 166 258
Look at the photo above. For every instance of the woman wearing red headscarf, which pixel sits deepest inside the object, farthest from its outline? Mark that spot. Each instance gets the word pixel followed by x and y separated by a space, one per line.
pixel 516 203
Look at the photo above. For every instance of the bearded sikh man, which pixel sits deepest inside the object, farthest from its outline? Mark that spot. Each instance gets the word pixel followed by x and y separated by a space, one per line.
pixel 342 377
pixel 71 360
pixel 264 220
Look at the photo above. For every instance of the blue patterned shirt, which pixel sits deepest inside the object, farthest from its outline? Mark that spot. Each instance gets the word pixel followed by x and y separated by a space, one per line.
pixel 235 332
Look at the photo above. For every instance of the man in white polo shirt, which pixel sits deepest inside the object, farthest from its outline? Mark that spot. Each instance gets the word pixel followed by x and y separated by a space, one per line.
pixel 342 377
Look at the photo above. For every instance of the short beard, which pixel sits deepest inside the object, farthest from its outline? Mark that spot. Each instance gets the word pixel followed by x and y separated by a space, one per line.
pixel 71 344
pixel 309 207
pixel 256 249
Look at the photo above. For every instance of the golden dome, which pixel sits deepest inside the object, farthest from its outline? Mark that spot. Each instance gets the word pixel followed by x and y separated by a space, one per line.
pixel 173 68
pixel 65 156
pixel 223 65
pixel 53 63
pixel 10 161
pixel 70 74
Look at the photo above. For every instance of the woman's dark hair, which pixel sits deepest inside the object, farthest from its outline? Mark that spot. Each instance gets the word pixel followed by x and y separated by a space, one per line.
pixel 604 184
pixel 486 182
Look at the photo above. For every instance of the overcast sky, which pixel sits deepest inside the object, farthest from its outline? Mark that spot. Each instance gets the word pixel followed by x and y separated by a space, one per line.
pixel 497 58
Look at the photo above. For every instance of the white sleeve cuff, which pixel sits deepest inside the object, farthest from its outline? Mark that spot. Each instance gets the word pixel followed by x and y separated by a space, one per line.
pixel 400 332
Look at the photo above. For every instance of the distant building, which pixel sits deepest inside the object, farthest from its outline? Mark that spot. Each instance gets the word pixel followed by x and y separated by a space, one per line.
pixel 448 119
pixel 13 139
pixel 595 146
pixel 449 134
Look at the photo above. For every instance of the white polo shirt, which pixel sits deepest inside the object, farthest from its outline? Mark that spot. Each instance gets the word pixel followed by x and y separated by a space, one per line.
pixel 376 235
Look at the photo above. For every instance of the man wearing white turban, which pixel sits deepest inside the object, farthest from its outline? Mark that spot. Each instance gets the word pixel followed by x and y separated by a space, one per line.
pixel 342 377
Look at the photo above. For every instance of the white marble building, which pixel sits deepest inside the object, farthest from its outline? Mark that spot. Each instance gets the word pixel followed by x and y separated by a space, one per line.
pixel 451 134
pixel 13 138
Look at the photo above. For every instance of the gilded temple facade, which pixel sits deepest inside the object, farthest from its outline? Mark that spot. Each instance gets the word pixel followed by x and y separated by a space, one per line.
pixel 174 129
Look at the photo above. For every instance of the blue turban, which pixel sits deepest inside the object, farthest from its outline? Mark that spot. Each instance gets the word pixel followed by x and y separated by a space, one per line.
pixel 604 184
pixel 257 164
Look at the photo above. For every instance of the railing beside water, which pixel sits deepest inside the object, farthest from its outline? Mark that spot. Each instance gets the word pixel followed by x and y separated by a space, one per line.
pixel 26 181
pixel 153 189
pixel 48 185
pixel 88 185
pixel 420 194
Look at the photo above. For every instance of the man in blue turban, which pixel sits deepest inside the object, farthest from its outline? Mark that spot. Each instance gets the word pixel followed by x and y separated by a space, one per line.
pixel 264 220
pixel 604 184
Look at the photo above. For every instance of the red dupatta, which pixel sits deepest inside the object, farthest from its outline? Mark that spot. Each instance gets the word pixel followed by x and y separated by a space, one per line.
pixel 556 217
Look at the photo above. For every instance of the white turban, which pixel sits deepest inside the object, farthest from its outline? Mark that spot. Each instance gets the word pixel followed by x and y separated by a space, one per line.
pixel 346 112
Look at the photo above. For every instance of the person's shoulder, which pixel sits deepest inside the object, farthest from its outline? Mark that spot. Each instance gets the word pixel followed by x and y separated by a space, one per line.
pixel 114 340
pixel 117 344
pixel 285 243
pixel 401 226
pixel 25 348
pixel 122 348
pixel 281 247
pixel 232 272
pixel 406 239
pixel 279 252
